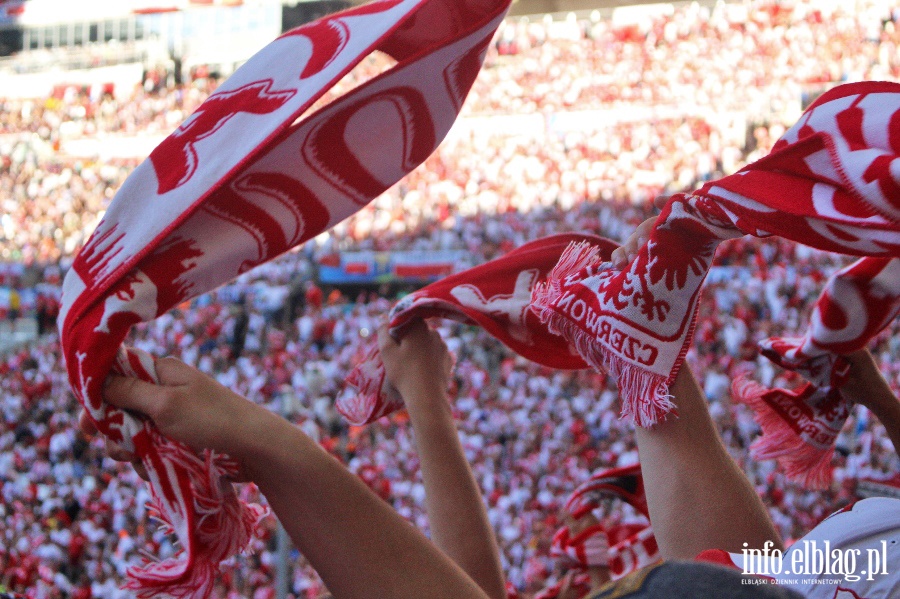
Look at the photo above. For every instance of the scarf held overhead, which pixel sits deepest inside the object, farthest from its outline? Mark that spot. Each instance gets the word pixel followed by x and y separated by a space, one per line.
pixel 830 182
pixel 495 296
pixel 800 427
pixel 237 184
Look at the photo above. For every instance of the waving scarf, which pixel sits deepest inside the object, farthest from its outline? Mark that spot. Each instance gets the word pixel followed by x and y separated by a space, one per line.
pixel 800 426
pixel 495 296
pixel 830 182
pixel 237 184
pixel 586 549
pixel 622 548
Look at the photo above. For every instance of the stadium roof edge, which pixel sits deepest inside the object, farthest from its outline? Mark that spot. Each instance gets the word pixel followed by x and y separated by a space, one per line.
pixel 522 8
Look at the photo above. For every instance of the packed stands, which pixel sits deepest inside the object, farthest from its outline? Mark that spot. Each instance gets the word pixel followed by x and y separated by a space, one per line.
pixel 714 89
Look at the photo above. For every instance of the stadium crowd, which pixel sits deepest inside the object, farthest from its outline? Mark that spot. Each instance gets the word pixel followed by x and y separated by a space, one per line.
pixel 74 519
pixel 758 60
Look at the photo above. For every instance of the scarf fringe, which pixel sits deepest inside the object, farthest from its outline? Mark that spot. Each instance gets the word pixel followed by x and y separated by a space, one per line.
pixel 371 398
pixel 357 408
pixel 578 256
pixel 645 395
pixel 801 462
pixel 586 549
pixel 225 525
pixel 359 405
pixel 164 578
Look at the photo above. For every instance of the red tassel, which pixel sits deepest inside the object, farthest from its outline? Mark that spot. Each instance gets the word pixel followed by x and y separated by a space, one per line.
pixel 645 396
pixel 783 432
pixel 224 525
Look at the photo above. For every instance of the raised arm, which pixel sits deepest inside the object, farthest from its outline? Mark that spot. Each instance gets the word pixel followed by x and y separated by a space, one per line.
pixel 697 495
pixel 359 545
pixel 866 386
pixel 419 367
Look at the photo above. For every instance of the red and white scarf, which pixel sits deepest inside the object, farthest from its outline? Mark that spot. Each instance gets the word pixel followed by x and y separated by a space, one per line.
pixel 830 182
pixel 636 549
pixel 879 487
pixel 495 296
pixel 237 184
pixel 622 548
pixel 625 484
pixel 630 547
pixel 587 548
pixel 800 427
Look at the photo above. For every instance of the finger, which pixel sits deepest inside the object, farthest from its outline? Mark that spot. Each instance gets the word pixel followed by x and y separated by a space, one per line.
pixel 385 341
pixel 140 470
pixel 425 338
pixel 639 238
pixel 173 372
pixel 118 453
pixel 661 201
pixel 416 329
pixel 410 332
pixel 642 232
pixel 628 250
pixel 131 393
pixel 639 242
pixel 86 425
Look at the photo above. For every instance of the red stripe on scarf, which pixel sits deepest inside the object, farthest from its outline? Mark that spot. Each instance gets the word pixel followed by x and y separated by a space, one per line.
pixel 816 187
pixel 495 296
pixel 236 185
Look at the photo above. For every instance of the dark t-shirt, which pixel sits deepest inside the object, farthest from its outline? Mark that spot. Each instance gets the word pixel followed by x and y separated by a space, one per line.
pixel 692 580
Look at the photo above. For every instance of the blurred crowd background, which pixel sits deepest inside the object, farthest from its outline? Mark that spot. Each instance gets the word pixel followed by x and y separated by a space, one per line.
pixel 575 124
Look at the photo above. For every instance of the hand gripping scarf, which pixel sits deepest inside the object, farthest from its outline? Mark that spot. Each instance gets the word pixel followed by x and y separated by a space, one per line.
pixel 238 183
pixel 830 182
pixel 800 427
pixel 496 296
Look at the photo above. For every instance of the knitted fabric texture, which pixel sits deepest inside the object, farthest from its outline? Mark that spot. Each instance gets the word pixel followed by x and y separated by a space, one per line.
pixel 238 183
pixel 495 296
pixel 800 426
pixel 623 548
pixel 829 183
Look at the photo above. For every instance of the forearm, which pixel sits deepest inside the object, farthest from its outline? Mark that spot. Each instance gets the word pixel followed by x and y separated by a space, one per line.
pixel 866 385
pixel 456 511
pixel 357 543
pixel 888 412
pixel 697 495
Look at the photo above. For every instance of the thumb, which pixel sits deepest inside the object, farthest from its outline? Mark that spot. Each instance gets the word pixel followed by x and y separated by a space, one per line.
pixel 173 372
pixel 385 341
pixel 131 393
pixel 85 425
pixel 414 329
